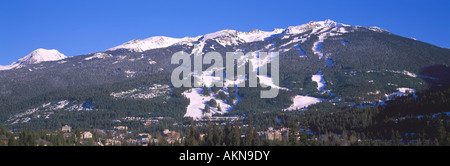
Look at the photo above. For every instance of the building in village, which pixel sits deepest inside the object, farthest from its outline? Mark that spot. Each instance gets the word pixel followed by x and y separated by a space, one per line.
pixel 66 128
pixel 86 135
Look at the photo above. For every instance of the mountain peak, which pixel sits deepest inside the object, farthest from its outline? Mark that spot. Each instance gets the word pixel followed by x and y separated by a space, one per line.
pixel 328 23
pixel 331 23
pixel 314 25
pixel 41 55
pixel 222 33
pixel 35 57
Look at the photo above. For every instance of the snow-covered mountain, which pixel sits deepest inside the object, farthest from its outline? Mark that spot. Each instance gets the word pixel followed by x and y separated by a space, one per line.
pixel 321 62
pixel 138 45
pixel 35 57
pixel 229 37
pixel 224 37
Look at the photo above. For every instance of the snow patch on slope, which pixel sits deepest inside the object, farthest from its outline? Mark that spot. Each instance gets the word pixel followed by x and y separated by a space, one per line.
pixel 99 55
pixel 401 92
pixel 198 101
pixel 138 45
pixel 318 78
pixel 302 102
pixel 156 90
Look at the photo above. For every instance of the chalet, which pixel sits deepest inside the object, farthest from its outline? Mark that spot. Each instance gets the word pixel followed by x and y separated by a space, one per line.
pixel 120 128
pixel 166 132
pixel 112 142
pixel 86 135
pixel 66 128
pixel 274 135
pixel 143 139
pixel 173 137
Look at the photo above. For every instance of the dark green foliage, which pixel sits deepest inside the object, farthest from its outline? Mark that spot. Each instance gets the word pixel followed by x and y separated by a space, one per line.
pixel 207 109
pixel 205 91
pixel 192 137
pixel 212 103
pixel 222 95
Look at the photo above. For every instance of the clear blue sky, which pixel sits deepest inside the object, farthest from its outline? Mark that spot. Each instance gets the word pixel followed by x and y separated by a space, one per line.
pixel 76 27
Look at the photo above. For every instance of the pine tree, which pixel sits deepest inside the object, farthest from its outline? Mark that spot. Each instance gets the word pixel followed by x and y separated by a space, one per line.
pixel 207 109
pixel 251 137
pixel 192 136
pixel 442 138
pixel 395 137
pixel 212 103
pixel 222 95
pixel 205 91
pixel 228 134
pixel 217 135
pixel 292 138
pixel 236 134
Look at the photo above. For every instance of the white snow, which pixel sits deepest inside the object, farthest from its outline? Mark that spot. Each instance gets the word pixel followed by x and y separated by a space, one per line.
pixel 130 74
pixel 401 92
pixel 265 80
pixel 223 37
pixel 406 90
pixel 317 47
pixel 374 93
pixel 4 67
pixel 323 29
pixel 99 55
pixel 377 29
pixel 42 55
pixel 198 49
pixel 318 78
pixel 302 102
pixel 207 78
pixel 35 57
pixel 239 79
pixel 409 74
pixel 295 40
pixel 404 72
pixel 197 102
pixel 138 45
pixel 156 90
pixel 257 61
pixel 44 110
pixel 315 26
pixel 229 37
pixel 256 35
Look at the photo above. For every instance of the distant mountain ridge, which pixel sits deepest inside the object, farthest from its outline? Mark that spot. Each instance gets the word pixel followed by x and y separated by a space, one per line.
pixel 223 37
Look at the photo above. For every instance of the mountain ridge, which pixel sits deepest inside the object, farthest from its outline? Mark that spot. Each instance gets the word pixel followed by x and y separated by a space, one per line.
pixel 140 45
pixel 331 64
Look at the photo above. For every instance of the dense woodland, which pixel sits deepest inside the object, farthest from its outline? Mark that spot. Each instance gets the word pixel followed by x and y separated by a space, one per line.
pixel 402 122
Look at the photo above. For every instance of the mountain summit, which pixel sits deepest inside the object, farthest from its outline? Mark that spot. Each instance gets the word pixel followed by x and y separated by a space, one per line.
pixel 35 57
pixel 42 55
